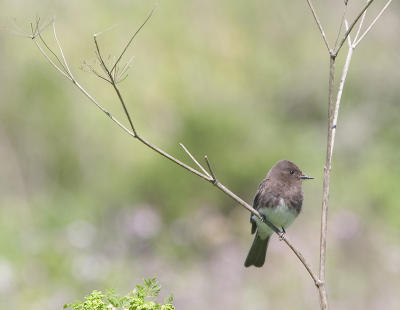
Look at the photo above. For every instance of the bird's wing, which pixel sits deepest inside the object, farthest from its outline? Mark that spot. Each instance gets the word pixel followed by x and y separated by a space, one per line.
pixel 266 196
pixel 256 203
pixel 253 224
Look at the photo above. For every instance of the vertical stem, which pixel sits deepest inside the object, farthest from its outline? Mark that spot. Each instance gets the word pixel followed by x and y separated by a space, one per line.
pixel 325 197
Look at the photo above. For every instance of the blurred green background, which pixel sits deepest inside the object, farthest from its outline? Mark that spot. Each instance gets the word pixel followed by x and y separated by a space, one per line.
pixel 83 206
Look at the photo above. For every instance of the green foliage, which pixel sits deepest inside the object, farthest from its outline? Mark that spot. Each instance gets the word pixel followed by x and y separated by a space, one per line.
pixel 135 300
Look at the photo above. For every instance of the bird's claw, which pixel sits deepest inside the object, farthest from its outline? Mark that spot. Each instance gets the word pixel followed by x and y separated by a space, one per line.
pixel 282 234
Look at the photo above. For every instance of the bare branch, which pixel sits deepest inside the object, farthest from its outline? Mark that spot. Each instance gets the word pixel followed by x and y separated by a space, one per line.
pixel 351 27
pixel 319 26
pixel 373 23
pixel 194 160
pixel 131 39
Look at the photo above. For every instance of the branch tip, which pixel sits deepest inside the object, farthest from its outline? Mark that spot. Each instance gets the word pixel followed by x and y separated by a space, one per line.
pixel 214 179
pixel 131 39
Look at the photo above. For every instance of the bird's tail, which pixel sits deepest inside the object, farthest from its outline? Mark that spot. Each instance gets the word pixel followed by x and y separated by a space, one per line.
pixel 257 252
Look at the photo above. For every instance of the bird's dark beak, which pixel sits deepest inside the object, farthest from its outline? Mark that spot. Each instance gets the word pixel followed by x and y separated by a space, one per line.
pixel 306 177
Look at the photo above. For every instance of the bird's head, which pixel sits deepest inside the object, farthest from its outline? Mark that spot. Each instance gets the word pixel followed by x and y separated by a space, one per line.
pixel 287 172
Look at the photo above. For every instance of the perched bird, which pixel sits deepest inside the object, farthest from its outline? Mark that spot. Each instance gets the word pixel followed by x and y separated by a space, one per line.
pixel 278 199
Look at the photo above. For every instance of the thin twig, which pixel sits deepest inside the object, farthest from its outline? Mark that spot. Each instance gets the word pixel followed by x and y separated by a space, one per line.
pixel 194 159
pixel 317 282
pixel 99 57
pixel 121 79
pixel 214 179
pixel 125 68
pixel 319 26
pixel 340 91
pixel 105 30
pixel 373 23
pixel 131 39
pixel 360 25
pixel 123 105
pixel 61 51
pixel 54 54
pixel 341 22
pixel 39 33
pixel 349 41
pixel 325 196
pixel 17 31
pixel 94 71
pixel 336 52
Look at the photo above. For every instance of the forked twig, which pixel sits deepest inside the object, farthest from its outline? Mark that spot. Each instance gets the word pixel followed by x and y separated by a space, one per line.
pixel 373 22
pixel 351 27
pixel 333 112
pixel 316 18
pixel 341 23
pixel 360 25
pixel 61 51
pixel 194 159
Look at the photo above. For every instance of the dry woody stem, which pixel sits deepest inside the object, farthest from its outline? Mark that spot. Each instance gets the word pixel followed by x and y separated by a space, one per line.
pixel 333 113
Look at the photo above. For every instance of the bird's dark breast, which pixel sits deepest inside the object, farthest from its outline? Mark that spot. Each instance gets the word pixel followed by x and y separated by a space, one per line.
pixel 295 202
pixel 270 195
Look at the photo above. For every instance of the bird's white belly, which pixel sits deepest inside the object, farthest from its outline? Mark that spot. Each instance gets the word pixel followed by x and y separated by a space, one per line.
pixel 280 216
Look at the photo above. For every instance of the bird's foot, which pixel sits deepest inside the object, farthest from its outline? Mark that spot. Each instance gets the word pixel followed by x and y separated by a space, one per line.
pixel 272 226
pixel 264 218
pixel 282 234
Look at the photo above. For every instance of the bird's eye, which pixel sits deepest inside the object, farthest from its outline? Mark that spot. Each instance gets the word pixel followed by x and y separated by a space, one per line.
pixel 291 171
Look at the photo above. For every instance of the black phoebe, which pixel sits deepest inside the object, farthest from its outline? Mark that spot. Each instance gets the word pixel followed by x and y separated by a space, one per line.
pixel 278 199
